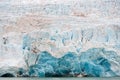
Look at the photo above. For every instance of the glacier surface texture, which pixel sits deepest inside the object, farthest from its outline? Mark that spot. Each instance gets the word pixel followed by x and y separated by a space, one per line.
pixel 59 38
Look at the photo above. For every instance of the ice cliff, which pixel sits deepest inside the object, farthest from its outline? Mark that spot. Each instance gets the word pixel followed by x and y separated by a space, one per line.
pixel 47 38
pixel 95 62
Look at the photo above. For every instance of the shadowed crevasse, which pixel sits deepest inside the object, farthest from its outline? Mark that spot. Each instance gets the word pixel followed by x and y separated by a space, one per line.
pixel 7 75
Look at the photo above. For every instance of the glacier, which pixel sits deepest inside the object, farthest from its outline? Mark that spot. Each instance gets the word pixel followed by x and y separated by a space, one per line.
pixel 59 38
pixel 95 62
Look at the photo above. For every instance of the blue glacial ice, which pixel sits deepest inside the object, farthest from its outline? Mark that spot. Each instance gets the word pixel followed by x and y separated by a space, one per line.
pixel 95 62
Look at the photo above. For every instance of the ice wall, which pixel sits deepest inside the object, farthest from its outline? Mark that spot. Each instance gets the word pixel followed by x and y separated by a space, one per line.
pixel 29 27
